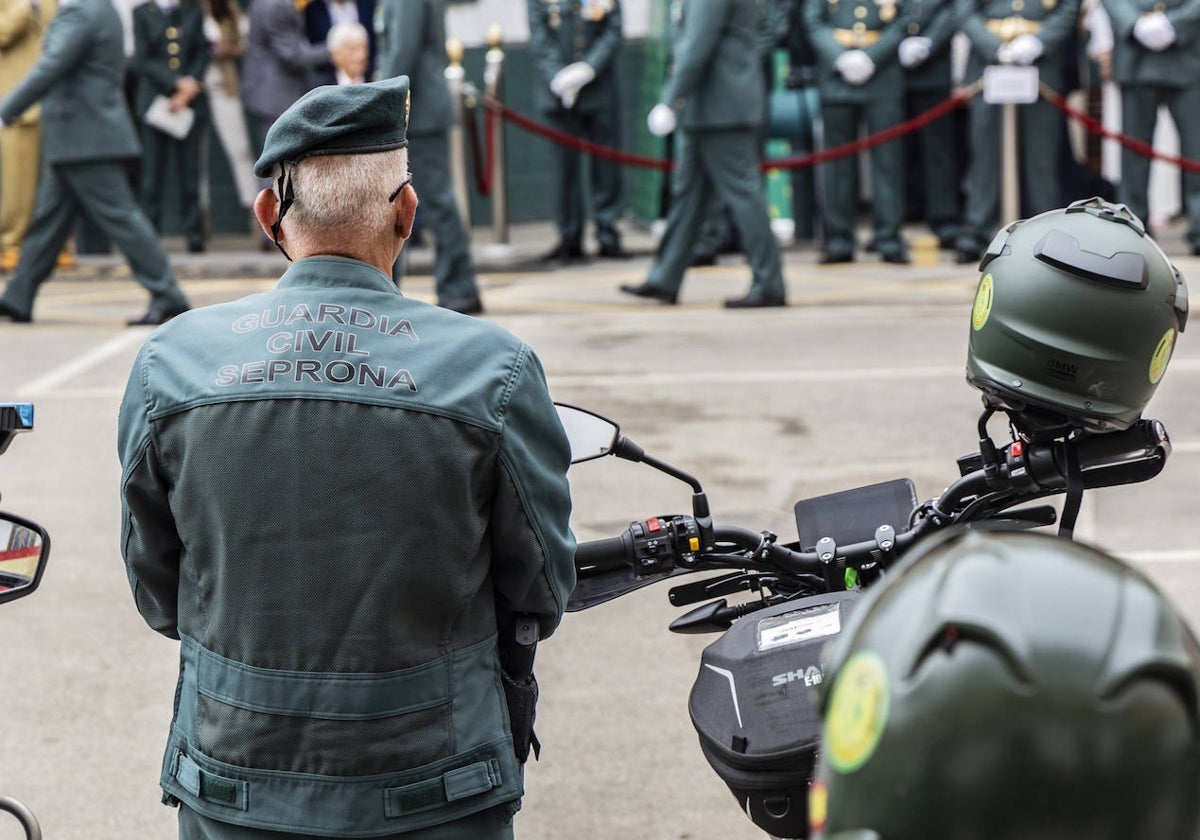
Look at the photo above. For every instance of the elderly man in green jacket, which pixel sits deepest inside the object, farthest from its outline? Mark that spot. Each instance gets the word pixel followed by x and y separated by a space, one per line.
pixel 87 136
pixel 715 95
pixel 337 499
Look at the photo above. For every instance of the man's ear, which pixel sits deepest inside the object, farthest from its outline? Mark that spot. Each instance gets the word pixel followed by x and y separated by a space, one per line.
pixel 266 210
pixel 406 211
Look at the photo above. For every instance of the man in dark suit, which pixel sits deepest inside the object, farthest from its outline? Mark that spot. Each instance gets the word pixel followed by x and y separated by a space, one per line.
pixel 87 138
pixel 322 15
pixel 575 44
pixel 412 42
pixel 170 57
pixel 716 89
pixel 277 63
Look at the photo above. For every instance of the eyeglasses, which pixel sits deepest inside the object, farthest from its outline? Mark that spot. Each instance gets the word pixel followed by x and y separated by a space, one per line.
pixel 400 188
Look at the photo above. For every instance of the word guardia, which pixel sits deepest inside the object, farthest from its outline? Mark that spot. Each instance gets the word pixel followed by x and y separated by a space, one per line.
pixel 304 329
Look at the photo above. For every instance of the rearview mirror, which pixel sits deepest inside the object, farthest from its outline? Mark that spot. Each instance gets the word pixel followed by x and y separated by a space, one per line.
pixel 24 550
pixel 591 436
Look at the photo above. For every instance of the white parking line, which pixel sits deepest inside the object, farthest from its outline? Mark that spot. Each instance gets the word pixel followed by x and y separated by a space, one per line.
pixel 82 363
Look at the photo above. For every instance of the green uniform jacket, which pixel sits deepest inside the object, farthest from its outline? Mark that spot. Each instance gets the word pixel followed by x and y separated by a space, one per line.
pixel 562 32
pixel 1057 19
pixel 935 20
pixel 165 52
pixel 715 79
pixel 411 41
pixel 329 493
pixel 823 17
pixel 1178 66
pixel 79 81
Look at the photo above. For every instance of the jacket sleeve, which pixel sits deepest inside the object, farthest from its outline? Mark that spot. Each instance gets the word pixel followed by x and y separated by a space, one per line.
pixel 820 32
pixel 285 37
pixel 404 26
pixel 943 27
pixel 603 51
pixel 546 56
pixel 66 45
pixel 533 549
pixel 150 543
pixel 694 49
pixel 984 42
pixel 1058 27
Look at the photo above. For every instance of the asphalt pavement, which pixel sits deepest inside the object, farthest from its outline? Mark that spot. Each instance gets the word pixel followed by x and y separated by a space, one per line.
pixel 859 380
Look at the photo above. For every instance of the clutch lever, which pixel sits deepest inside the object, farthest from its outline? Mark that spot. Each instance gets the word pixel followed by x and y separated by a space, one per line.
pixel 702 590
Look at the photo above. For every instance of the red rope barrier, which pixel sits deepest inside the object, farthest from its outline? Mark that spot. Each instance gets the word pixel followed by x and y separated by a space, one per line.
pixel 579 144
pixel 1132 143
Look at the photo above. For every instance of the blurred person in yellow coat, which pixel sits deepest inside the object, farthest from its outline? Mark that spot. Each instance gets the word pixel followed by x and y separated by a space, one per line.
pixel 21 26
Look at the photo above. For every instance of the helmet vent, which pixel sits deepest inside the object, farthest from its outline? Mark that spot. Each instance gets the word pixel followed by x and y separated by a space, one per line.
pixel 1124 269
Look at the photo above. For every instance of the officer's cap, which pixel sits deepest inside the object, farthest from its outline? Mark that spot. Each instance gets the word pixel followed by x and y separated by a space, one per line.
pixel 339 120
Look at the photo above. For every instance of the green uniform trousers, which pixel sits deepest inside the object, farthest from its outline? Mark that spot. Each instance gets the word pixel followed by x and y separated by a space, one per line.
pixel 454 272
pixel 1038 141
pixel 603 128
pixel 940 158
pixel 492 824
pixel 101 189
pixel 1139 113
pixel 161 154
pixel 720 165
pixel 839 182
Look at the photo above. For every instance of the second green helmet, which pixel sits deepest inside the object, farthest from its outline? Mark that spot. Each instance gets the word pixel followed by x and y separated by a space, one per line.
pixel 1075 318
pixel 1010 686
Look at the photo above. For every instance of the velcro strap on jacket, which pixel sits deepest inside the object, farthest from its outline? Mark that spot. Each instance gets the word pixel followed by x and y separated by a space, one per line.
pixel 219 789
pixel 452 785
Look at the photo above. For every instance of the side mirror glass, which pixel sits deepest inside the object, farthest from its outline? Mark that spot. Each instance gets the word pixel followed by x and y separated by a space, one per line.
pixel 591 435
pixel 24 550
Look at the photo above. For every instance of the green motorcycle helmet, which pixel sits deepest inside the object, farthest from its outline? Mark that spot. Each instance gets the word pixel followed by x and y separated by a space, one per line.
pixel 1010 686
pixel 1075 318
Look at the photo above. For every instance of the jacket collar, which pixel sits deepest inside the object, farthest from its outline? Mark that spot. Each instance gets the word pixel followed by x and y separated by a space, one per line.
pixel 335 272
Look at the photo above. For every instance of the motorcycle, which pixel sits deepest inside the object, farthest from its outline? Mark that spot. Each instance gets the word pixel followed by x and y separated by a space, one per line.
pixel 753 703
pixel 24 551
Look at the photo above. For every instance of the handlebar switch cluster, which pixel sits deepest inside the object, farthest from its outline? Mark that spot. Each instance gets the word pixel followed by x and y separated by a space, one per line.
pixel 658 543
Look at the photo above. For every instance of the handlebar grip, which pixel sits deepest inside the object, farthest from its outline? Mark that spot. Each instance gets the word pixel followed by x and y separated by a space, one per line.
pixel 596 556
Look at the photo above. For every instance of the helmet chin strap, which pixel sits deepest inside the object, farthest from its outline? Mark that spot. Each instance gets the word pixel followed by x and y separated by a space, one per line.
pixel 1074 498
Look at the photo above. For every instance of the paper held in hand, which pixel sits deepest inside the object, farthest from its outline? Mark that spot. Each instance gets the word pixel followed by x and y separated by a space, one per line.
pixel 175 123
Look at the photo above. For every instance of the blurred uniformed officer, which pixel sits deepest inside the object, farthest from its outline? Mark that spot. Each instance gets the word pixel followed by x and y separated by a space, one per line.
pixel 170 57
pixel 716 90
pixel 575 44
pixel 860 81
pixel 89 137
pixel 925 56
pixel 411 41
pixel 1156 61
pixel 1024 32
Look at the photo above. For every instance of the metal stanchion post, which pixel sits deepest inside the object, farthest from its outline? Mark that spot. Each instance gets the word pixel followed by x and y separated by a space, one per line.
pixel 458 163
pixel 1010 185
pixel 493 83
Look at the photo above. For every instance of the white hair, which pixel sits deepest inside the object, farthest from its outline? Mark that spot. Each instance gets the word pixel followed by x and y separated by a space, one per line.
pixel 342 198
pixel 341 34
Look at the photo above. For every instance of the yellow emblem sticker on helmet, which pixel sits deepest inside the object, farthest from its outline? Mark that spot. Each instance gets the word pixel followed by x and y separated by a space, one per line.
pixel 983 303
pixel 818 806
pixel 858 710
pixel 1162 355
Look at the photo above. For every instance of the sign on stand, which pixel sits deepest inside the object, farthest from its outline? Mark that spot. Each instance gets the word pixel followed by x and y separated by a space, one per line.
pixel 1009 85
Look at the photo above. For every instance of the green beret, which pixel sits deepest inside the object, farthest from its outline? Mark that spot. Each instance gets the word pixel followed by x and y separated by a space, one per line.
pixel 339 120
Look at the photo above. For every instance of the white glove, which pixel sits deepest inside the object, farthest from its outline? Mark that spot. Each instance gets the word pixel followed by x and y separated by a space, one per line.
pixel 568 81
pixel 1154 31
pixel 855 66
pixel 914 50
pixel 661 120
pixel 1023 50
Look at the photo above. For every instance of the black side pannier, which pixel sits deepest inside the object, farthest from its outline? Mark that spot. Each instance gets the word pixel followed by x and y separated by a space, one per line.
pixel 755 709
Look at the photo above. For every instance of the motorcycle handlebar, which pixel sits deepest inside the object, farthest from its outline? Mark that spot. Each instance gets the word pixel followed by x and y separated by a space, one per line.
pixel 596 556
